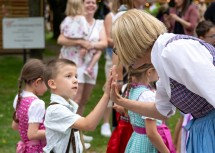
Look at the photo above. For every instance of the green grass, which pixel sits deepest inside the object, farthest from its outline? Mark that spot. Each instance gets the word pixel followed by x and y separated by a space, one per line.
pixel 10 67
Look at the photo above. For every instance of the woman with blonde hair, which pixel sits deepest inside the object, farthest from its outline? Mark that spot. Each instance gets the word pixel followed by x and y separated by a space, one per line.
pixel 185 66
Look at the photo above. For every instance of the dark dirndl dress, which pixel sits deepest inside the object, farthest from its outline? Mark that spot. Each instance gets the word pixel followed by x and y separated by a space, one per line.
pixel 202 127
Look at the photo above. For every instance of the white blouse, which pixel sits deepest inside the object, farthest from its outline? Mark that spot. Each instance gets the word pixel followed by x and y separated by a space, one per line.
pixel 36 110
pixel 148 96
pixel 187 62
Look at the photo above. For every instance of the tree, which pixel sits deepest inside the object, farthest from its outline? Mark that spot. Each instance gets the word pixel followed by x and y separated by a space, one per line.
pixel 35 11
pixel 58 8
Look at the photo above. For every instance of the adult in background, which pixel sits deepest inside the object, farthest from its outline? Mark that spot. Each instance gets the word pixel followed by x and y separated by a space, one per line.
pixel 210 12
pixel 98 37
pixel 183 18
pixel 205 30
pixel 185 66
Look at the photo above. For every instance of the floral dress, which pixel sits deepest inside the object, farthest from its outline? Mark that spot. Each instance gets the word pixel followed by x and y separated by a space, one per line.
pixel 74 28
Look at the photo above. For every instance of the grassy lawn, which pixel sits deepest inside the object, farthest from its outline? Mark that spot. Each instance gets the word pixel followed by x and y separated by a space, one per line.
pixel 10 67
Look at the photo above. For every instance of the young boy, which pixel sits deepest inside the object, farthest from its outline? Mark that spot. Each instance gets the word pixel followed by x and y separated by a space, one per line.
pixel 61 117
pixel 206 31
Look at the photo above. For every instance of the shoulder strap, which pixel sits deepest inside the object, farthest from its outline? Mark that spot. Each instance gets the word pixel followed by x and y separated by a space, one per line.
pixel 91 31
pixel 53 103
pixel 71 138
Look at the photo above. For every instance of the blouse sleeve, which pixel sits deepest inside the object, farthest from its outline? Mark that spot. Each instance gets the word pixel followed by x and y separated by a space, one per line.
pixel 36 111
pixel 191 64
pixel 162 101
pixel 15 102
pixel 63 25
pixel 193 17
pixel 148 96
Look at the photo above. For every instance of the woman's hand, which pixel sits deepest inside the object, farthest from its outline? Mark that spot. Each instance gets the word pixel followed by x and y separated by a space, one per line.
pixel 86 44
pixel 174 16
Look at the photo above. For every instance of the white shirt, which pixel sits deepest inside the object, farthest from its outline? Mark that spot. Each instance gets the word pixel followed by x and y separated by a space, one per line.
pixel 148 96
pixel 58 122
pixel 187 62
pixel 36 109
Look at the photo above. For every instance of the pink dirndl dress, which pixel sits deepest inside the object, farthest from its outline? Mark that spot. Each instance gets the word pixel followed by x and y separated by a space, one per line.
pixel 25 145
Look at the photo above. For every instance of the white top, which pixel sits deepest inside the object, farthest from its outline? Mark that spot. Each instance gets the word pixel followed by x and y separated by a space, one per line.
pixel 187 62
pixel 36 110
pixel 148 96
pixel 58 121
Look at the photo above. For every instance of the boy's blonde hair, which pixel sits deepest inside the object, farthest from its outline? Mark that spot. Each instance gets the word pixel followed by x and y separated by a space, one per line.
pixel 53 67
pixel 134 33
pixel 74 7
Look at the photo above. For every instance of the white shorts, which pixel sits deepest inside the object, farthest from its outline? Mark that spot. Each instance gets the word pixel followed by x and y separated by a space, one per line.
pixel 82 78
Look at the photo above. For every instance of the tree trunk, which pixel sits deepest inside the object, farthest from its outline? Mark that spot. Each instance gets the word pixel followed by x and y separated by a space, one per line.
pixel 58 8
pixel 36 10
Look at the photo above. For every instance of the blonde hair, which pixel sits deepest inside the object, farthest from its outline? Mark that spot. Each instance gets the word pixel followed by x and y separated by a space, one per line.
pixel 53 67
pixel 74 7
pixel 134 33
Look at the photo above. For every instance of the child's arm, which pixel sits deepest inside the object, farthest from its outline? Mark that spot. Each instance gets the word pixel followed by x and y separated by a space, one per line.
pixel 62 40
pixel 177 132
pixel 15 125
pixel 154 136
pixel 36 114
pixel 90 122
pixel 34 133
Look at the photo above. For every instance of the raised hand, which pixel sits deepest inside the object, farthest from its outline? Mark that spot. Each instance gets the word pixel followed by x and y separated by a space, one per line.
pixel 114 93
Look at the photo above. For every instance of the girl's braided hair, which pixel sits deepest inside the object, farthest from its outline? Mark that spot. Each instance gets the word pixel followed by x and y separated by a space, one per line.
pixel 30 72
pixel 139 72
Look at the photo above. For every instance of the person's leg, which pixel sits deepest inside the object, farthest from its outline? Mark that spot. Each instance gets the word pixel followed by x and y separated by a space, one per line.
pixel 85 91
pixel 95 59
pixel 78 97
pixel 105 128
pixel 107 113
